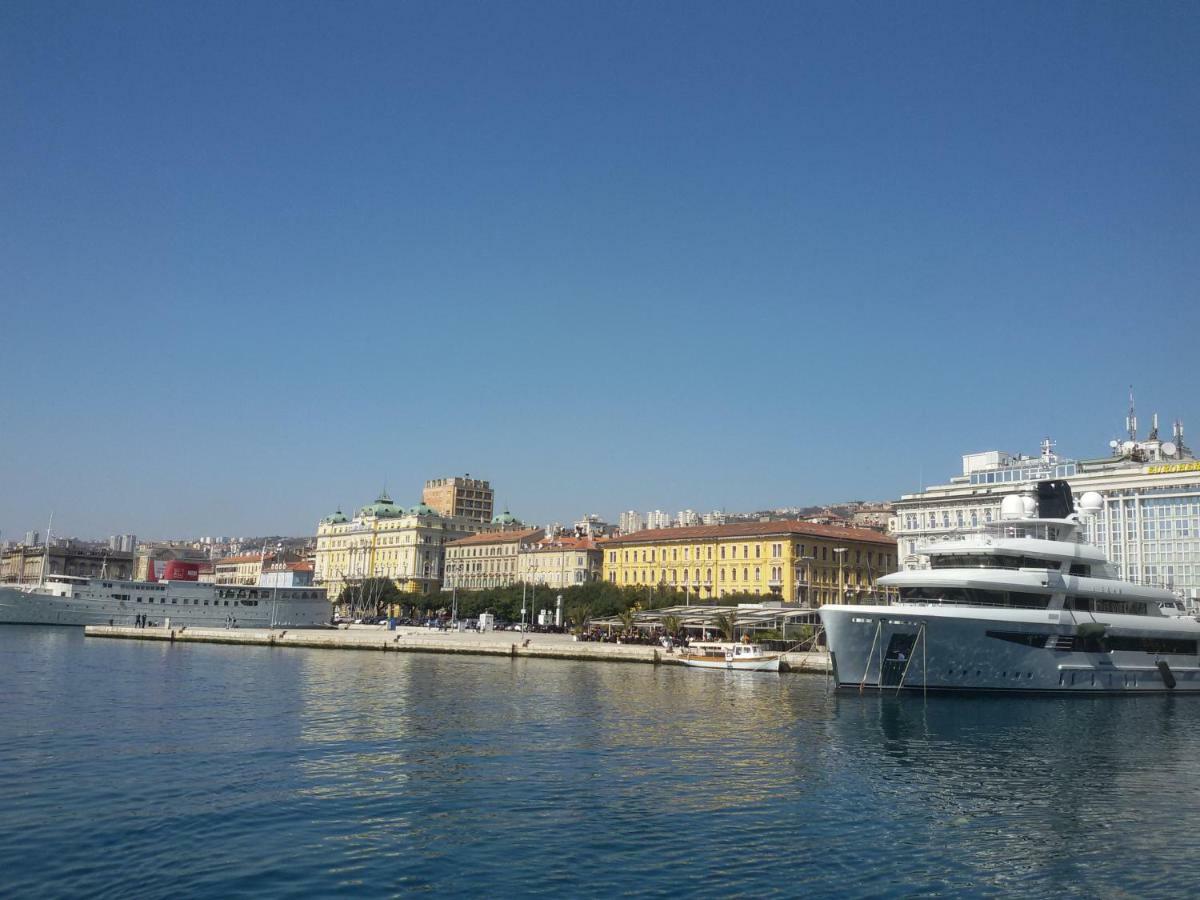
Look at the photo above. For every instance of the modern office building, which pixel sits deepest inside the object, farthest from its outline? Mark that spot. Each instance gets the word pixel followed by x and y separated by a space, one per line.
pixel 796 562
pixel 1149 526
pixel 631 520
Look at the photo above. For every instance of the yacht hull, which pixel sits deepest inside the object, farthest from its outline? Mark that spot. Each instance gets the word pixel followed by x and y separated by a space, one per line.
pixel 916 647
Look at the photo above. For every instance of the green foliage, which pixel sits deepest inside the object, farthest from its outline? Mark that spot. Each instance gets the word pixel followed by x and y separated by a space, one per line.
pixel 726 625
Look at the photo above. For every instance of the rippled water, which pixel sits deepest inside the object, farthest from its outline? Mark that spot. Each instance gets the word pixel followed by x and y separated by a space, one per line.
pixel 138 769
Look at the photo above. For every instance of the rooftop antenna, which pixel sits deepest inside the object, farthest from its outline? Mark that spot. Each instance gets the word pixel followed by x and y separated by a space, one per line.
pixel 1131 419
pixel 1154 427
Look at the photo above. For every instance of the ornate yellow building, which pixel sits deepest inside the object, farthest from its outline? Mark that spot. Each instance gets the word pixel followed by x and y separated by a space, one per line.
pixel 797 561
pixel 384 540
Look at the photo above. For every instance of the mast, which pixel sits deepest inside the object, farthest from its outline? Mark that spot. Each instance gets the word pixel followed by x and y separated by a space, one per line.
pixel 46 556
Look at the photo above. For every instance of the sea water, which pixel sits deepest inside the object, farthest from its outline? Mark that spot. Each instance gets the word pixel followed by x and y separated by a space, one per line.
pixel 146 769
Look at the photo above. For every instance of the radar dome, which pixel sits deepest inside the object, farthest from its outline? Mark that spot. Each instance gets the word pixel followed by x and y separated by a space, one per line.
pixel 1091 503
pixel 1011 507
pixel 1169 448
pixel 1029 506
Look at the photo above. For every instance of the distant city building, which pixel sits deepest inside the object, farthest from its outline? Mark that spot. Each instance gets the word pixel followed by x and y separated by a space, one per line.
pixel 795 561
pixel 658 519
pixel 384 540
pixel 32 538
pixel 247 568
pixel 463 497
pixel 592 526
pixel 716 517
pixel 631 521
pixel 1149 526
pixel 126 543
pixel 24 564
pixel 295 573
pixel 486 560
pixel 561 562
pixel 686 518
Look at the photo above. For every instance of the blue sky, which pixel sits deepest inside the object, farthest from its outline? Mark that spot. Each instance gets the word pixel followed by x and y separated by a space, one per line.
pixel 258 258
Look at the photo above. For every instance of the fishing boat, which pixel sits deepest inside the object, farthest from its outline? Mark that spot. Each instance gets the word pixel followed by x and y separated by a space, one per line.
pixel 739 656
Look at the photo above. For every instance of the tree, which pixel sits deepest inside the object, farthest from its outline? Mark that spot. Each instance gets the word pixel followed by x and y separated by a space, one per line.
pixel 370 596
pixel 726 624
pixel 672 624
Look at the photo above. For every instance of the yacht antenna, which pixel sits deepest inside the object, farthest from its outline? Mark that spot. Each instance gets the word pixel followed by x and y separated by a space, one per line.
pixel 1131 419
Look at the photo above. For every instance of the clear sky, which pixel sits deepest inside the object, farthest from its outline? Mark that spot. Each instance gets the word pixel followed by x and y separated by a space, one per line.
pixel 258 258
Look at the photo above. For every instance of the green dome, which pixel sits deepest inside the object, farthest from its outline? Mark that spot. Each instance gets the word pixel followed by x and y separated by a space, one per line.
pixel 422 510
pixel 506 518
pixel 336 519
pixel 382 508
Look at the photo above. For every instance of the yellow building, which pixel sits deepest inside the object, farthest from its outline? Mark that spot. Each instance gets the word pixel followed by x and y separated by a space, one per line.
pixel 488 559
pixel 384 540
pixel 798 562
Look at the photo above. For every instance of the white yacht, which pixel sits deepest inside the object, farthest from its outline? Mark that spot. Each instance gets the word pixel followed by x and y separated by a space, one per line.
pixel 1023 604
pixel 71 600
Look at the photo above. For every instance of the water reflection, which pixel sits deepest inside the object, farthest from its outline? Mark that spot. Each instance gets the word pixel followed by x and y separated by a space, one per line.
pixel 333 772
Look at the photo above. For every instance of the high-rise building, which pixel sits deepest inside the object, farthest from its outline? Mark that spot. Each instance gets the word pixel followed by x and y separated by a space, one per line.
pixel 716 517
pixel 462 496
pixel 32 538
pixel 631 520
pixel 658 519
pixel 126 543
pixel 686 518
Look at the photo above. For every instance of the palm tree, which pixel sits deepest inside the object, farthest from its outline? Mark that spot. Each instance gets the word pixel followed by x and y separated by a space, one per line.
pixel 672 624
pixel 627 618
pixel 579 613
pixel 726 623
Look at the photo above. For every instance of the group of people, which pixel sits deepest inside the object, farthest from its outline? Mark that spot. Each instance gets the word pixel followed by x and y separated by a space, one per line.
pixel 140 621
pixel 644 636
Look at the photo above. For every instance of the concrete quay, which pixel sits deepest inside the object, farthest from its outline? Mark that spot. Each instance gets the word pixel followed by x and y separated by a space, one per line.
pixel 422 640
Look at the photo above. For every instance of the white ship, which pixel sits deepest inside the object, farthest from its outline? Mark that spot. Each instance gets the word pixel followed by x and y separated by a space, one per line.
pixel 70 600
pixel 1023 604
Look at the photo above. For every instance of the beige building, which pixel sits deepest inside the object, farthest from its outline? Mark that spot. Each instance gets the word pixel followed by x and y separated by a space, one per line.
pixel 384 540
pixel 561 562
pixel 462 497
pixel 798 562
pixel 245 569
pixel 23 564
pixel 487 560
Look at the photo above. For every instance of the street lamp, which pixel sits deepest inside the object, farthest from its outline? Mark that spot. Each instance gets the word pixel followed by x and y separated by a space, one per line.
pixel 841 551
pixel 808 561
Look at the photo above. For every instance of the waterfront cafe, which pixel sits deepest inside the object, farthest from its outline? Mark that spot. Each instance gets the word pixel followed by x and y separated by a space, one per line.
pixel 698 621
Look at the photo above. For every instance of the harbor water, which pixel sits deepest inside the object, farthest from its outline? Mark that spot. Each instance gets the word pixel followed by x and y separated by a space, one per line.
pixel 142 769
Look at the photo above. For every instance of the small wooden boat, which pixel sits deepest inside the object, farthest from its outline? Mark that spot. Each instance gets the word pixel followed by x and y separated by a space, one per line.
pixel 743 656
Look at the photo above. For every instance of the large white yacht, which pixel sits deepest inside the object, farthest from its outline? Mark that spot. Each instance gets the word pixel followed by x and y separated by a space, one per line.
pixel 71 600
pixel 1022 604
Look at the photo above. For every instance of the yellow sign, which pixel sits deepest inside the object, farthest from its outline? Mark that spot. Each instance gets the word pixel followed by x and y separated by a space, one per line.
pixel 1173 467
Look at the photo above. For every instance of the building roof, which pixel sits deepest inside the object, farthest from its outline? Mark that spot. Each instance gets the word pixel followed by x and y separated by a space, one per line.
pixel 752 529
pixel 564 543
pixel 498 537
pixel 244 558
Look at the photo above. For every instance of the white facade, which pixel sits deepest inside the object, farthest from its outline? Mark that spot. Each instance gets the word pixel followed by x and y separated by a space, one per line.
pixel 561 562
pixel 631 521
pixel 658 519
pixel 1149 526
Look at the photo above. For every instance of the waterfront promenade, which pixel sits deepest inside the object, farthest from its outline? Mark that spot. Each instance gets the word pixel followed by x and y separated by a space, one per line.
pixel 423 640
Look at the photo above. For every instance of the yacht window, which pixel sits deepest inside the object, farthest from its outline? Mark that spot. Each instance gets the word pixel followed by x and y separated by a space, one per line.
pixel 1083 604
pixel 974 597
pixel 1080 569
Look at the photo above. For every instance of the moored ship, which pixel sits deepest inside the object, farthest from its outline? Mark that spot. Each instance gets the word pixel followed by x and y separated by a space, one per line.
pixel 73 600
pixel 1022 604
